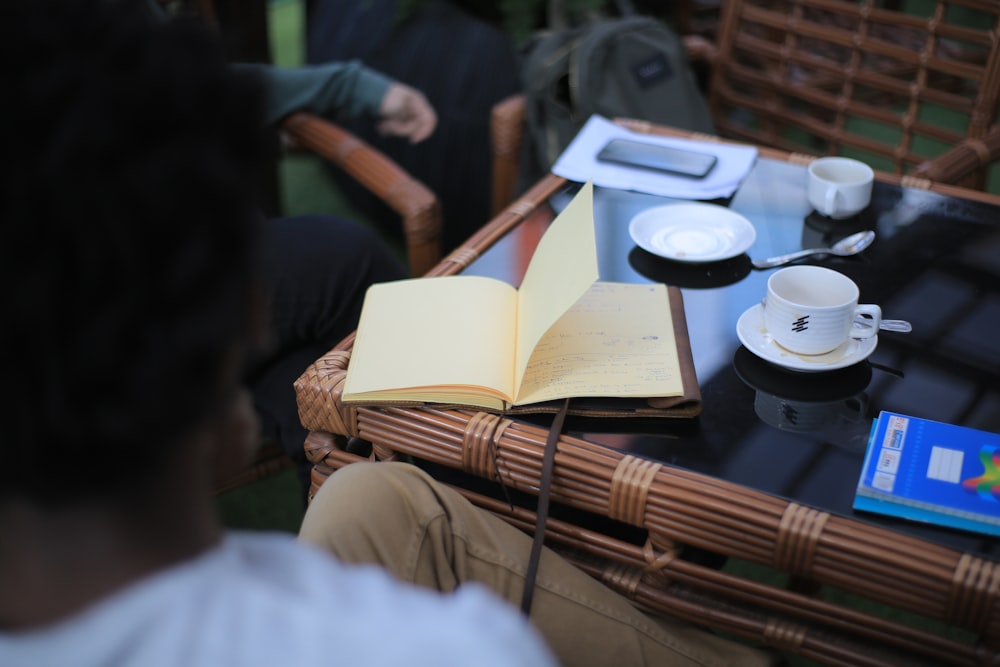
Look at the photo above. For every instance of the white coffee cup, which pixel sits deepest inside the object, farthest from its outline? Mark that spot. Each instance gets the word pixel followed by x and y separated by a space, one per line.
pixel 813 310
pixel 839 187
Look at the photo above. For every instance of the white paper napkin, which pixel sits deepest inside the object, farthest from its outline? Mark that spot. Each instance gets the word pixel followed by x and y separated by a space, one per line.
pixel 579 163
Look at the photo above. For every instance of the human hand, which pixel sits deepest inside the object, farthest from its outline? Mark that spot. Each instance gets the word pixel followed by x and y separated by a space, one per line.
pixel 405 112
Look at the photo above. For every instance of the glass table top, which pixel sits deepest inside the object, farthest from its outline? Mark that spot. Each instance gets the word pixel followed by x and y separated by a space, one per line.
pixel 935 262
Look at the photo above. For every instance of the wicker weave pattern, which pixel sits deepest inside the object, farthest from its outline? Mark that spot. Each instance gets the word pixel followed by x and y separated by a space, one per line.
pixel 829 77
pixel 630 485
pixel 688 508
pixel 813 75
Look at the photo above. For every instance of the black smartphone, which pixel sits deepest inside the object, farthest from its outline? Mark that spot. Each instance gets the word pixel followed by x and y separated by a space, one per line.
pixel 676 161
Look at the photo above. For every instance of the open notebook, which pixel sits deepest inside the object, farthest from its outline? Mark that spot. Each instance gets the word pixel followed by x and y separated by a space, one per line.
pixel 616 349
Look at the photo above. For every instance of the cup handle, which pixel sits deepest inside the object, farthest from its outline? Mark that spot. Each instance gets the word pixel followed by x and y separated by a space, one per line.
pixel 830 201
pixel 867 318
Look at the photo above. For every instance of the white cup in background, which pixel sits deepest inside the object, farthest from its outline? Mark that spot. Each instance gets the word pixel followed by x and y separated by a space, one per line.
pixel 839 187
pixel 812 310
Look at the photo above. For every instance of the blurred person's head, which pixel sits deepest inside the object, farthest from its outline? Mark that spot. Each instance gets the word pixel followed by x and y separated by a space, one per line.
pixel 128 245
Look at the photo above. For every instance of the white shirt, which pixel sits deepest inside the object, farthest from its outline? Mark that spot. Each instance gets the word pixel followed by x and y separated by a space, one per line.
pixel 268 600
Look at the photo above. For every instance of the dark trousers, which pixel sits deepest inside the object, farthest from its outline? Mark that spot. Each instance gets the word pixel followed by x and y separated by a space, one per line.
pixel 318 268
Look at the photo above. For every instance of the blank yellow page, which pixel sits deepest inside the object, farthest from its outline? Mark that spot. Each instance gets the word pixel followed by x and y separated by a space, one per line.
pixel 455 331
pixel 562 269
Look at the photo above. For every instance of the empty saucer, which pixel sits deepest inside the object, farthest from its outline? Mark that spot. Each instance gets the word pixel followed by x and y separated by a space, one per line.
pixel 692 232
pixel 751 331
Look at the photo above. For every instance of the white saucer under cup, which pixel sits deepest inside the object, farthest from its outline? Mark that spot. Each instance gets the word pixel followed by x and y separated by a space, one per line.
pixel 812 310
pixel 755 337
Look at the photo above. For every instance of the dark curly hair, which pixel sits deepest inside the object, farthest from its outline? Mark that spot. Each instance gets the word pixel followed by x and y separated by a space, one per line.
pixel 128 240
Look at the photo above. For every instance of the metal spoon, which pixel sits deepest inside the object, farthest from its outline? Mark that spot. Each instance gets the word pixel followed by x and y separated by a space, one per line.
pixel 850 245
pixel 900 326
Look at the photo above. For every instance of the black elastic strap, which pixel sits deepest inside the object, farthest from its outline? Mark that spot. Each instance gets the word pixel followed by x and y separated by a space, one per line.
pixel 542 513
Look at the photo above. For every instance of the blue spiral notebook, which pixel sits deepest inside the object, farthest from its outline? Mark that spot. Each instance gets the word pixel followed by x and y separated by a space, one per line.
pixel 933 472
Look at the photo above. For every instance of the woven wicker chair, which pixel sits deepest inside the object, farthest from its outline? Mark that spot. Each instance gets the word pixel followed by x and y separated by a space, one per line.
pixel 907 93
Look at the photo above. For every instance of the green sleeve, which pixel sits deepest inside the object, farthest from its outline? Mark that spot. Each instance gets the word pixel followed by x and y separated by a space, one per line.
pixel 339 90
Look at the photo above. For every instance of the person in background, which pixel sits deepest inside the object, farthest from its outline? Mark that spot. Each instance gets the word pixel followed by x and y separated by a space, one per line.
pixel 318 266
pixel 132 248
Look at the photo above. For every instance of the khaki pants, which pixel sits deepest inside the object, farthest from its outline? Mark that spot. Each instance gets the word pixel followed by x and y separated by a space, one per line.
pixel 396 515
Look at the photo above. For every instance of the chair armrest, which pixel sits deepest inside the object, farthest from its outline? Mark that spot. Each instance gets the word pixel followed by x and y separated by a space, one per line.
pixel 507 125
pixel 963 160
pixel 412 200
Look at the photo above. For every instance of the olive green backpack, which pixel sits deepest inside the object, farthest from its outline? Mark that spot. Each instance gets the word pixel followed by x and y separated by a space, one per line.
pixel 633 66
